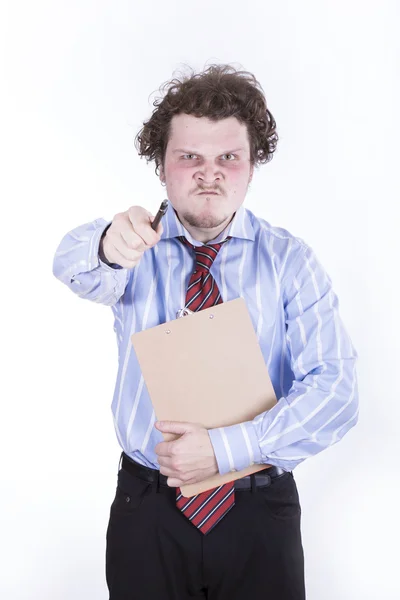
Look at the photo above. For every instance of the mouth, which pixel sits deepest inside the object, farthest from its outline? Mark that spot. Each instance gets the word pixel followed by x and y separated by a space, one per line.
pixel 208 193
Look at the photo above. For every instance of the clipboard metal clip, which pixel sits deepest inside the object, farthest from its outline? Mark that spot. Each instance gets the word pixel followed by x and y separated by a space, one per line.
pixel 183 312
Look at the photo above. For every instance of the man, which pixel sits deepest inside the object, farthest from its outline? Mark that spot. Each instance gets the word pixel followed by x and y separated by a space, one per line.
pixel 243 540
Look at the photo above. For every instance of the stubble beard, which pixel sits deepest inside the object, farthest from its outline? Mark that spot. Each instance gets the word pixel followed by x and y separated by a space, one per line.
pixel 204 221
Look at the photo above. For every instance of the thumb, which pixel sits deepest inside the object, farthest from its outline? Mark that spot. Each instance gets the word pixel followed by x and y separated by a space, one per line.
pixel 178 427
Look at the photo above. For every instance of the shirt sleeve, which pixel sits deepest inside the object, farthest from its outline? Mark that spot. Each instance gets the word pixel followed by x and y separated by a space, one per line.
pixel 77 264
pixel 322 403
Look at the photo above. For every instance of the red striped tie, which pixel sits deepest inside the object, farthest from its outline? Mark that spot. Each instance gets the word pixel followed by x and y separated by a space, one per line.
pixel 205 510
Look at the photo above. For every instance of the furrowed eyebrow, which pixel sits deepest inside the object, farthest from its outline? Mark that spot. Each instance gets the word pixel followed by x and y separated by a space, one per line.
pixel 186 151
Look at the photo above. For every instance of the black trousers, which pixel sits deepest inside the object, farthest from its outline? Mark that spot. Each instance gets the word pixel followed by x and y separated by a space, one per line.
pixel 255 552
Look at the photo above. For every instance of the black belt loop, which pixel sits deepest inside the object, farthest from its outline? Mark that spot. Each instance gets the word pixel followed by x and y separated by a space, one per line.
pixel 120 461
pixel 253 483
pixel 158 483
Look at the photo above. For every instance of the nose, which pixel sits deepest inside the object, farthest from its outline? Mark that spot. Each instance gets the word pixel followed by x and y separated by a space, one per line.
pixel 208 174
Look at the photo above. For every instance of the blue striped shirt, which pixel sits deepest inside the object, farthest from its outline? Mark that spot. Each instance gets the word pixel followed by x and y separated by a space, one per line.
pixel 309 355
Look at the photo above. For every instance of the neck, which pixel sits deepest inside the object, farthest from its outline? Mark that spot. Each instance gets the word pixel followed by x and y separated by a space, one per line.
pixel 205 235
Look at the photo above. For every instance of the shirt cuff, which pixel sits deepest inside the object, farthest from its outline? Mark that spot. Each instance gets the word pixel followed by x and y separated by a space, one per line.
pixel 236 447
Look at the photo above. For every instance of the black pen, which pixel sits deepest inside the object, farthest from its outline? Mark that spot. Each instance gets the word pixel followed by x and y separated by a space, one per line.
pixel 161 212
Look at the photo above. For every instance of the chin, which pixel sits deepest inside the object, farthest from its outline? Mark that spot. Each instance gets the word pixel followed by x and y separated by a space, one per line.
pixel 205 221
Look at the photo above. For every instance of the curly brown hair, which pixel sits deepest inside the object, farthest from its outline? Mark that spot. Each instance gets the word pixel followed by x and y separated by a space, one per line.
pixel 219 92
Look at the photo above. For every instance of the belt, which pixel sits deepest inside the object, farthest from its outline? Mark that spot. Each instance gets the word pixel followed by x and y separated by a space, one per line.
pixel 261 478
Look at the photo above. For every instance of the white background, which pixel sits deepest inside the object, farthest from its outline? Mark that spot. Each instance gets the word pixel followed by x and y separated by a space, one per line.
pixel 78 80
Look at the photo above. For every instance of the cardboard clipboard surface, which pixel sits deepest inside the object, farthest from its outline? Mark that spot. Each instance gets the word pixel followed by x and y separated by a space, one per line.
pixel 206 368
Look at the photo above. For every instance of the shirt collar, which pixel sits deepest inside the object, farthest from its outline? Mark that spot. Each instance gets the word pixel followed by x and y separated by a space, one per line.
pixel 240 227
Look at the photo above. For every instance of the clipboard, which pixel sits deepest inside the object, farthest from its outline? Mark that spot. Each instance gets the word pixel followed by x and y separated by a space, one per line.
pixel 208 368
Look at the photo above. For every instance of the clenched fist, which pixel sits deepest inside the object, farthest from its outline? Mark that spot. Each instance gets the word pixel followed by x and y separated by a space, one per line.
pixel 128 237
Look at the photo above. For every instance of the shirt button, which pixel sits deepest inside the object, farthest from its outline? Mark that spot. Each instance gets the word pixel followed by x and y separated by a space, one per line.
pixel 127 499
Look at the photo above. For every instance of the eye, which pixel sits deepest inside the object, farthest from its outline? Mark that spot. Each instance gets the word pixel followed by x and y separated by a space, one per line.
pixel 187 156
pixel 231 155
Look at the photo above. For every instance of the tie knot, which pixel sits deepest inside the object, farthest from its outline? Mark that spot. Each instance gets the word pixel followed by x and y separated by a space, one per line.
pixel 205 254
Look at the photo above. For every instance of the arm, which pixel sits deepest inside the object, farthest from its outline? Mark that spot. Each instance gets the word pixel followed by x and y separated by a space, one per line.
pixel 322 403
pixel 77 264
